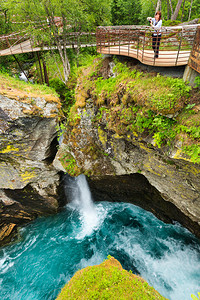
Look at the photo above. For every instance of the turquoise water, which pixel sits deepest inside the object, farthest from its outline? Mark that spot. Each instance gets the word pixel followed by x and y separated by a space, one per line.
pixel 52 249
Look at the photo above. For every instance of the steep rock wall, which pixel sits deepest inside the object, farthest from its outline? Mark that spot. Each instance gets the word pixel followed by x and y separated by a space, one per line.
pixel 106 153
pixel 28 182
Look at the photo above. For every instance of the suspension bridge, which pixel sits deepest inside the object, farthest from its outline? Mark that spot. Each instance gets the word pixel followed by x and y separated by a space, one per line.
pixel 135 41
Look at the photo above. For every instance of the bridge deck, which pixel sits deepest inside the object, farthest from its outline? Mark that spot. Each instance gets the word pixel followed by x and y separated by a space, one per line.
pixel 26 47
pixel 133 41
pixel 165 59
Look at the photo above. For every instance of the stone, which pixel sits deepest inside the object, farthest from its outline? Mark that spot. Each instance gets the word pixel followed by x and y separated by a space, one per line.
pixel 105 156
pixel 29 184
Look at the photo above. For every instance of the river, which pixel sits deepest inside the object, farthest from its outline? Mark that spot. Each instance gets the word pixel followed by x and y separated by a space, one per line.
pixel 52 249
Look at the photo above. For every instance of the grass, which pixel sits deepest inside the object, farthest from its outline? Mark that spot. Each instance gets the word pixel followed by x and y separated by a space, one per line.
pixel 108 281
pixel 11 84
pixel 143 104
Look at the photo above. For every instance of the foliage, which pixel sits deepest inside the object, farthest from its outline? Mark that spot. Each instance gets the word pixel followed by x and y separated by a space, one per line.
pixel 139 104
pixel 171 23
pixel 149 8
pixel 193 151
pixel 51 22
pixel 108 281
pixel 69 163
pixel 13 83
pixel 197 82
pixel 125 12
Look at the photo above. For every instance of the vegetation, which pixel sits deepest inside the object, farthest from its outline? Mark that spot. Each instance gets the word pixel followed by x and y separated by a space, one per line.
pixel 125 12
pixel 139 104
pixel 108 281
pixel 53 22
pixel 13 85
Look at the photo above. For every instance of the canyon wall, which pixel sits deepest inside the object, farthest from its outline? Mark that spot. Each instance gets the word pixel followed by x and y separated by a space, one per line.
pixel 29 183
pixel 126 165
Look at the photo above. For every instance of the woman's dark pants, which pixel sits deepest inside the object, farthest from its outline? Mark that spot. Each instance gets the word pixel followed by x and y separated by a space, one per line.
pixel 156 44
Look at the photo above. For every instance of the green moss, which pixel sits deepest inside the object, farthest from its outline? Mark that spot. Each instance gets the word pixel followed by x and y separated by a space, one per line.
pixel 137 105
pixel 108 281
pixel 69 164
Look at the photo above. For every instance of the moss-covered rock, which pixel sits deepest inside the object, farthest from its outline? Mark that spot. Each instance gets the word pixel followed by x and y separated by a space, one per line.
pixel 152 127
pixel 108 281
pixel 28 141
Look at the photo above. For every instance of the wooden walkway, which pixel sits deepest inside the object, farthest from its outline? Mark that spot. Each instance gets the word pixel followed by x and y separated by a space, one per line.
pixel 27 47
pixel 136 41
pixel 165 59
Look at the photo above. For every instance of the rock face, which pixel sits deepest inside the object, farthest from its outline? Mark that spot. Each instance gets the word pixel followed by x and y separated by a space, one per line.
pixel 28 182
pixel 107 157
pixel 128 167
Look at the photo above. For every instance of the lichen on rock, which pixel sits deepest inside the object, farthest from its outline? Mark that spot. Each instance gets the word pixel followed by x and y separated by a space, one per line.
pixel 28 141
pixel 143 134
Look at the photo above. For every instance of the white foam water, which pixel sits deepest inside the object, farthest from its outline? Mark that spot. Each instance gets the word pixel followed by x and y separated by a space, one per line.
pixel 53 248
pixel 81 200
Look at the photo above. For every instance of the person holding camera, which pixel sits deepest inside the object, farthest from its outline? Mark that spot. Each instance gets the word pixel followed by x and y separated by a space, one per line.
pixel 156 24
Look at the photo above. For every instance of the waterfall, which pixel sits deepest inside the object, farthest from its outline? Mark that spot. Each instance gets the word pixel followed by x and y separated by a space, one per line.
pixel 80 199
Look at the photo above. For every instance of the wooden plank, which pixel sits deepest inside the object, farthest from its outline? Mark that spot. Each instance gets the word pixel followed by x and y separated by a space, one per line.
pixel 166 58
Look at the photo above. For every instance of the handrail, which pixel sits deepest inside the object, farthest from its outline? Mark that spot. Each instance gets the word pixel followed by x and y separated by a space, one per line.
pixel 130 40
pixel 136 41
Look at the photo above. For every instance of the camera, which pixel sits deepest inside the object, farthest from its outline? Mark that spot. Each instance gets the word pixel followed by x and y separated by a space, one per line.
pixel 149 19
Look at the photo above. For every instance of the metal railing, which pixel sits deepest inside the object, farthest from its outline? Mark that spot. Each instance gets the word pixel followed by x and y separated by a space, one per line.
pixel 22 42
pixel 136 41
pixel 176 45
pixel 194 61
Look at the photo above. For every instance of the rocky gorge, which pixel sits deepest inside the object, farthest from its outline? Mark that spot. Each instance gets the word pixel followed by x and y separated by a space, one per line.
pixel 120 161
pixel 124 162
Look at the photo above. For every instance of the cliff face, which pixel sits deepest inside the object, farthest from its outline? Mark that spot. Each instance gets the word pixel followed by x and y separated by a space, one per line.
pixel 101 145
pixel 28 182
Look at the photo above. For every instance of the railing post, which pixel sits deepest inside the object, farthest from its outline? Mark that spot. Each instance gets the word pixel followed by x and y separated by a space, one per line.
pixel 109 42
pixel 119 41
pixel 143 44
pixel 138 45
pixel 129 41
pixel 100 41
pixel 179 46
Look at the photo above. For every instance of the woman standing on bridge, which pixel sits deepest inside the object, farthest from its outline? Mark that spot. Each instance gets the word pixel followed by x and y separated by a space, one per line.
pixel 156 24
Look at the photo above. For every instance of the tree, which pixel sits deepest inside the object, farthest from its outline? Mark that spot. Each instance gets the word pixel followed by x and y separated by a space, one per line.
pixel 126 12
pixel 175 14
pixel 190 10
pixel 158 5
pixel 53 22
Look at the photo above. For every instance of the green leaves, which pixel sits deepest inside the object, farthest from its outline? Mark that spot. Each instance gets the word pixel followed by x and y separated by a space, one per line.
pixel 126 12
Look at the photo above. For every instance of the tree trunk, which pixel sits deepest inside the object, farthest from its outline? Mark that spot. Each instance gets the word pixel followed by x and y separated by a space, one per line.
pixel 190 10
pixel 60 44
pixel 158 5
pixel 183 11
pixel 172 11
pixel 168 10
pixel 178 6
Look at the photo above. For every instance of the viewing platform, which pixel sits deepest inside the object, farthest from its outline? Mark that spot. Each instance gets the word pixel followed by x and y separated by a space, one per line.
pixel 179 45
pixel 136 41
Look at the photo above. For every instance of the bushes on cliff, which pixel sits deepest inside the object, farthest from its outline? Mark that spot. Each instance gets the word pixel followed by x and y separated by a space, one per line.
pixel 150 105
